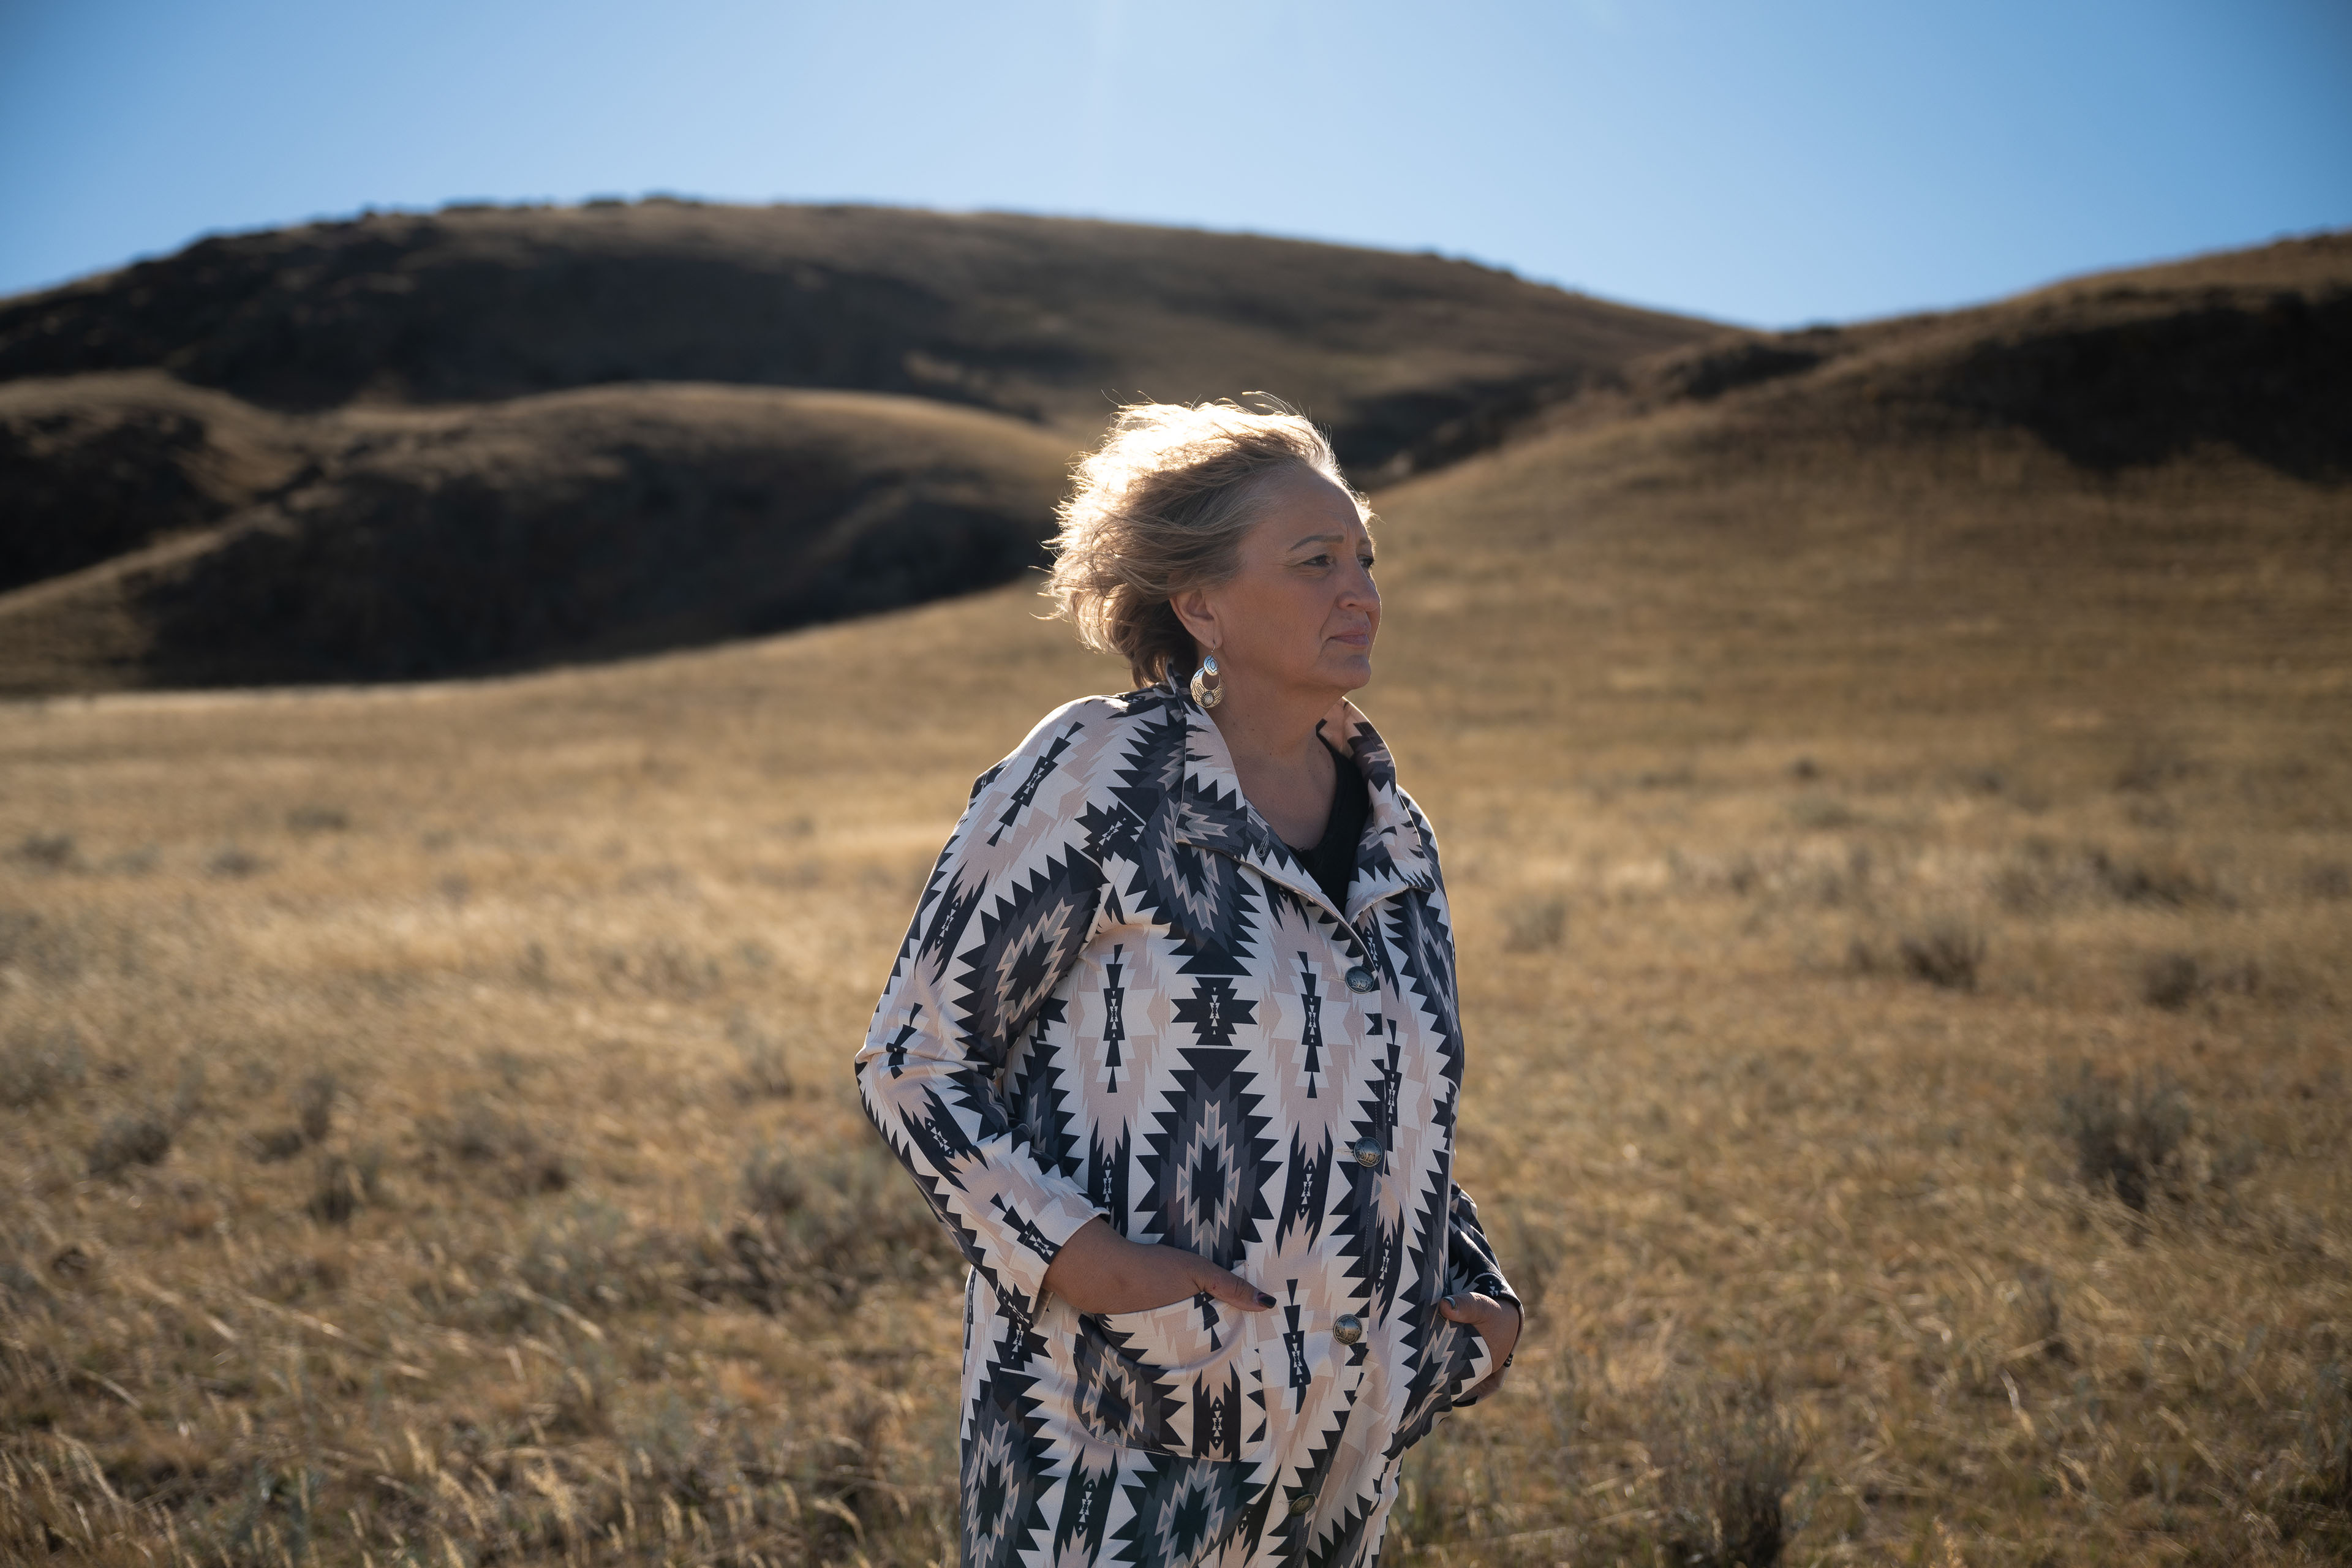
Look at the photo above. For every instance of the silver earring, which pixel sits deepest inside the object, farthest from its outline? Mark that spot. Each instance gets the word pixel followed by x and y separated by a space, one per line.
pixel 1204 693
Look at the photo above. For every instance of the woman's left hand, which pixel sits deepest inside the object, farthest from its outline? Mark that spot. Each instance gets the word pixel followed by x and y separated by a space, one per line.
pixel 1498 1323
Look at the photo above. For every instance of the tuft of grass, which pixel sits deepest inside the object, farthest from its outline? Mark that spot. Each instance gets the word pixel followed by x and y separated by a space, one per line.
pixel 2151 771
pixel 2130 1141
pixel 276 1144
pixel 2170 981
pixel 1821 813
pixel 661 969
pixel 1535 924
pixel 36 1065
pixel 2041 1309
pixel 135 1138
pixel 314 1116
pixel 188 1093
pixel 1947 955
pixel 49 851
pixel 345 1185
pixel 1537 1252
pixel 2039 879
pixel 41 946
pixel 1727 1461
pixel 835 1225
pixel 481 1135
pixel 300 1277
pixel 233 860
pixel 311 817
pixel 314 1106
pixel 774 1183
pixel 2171 883
pixel 1985 781
pixel 766 1073
pixel 2322 1456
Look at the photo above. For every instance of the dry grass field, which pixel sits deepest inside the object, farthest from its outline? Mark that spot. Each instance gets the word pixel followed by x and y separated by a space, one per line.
pixel 1904 884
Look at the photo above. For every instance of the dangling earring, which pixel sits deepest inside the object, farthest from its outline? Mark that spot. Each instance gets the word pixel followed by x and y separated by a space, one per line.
pixel 1204 693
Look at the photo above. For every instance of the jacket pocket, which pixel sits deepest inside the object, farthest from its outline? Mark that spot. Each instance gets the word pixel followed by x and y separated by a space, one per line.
pixel 1187 1378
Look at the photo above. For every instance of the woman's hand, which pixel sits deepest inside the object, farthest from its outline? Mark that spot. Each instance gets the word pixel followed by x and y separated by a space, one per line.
pixel 1498 1323
pixel 1099 1270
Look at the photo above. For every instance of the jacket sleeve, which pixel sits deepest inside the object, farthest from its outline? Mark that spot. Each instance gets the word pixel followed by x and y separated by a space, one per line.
pixel 1471 1259
pixel 1004 918
pixel 1470 1262
pixel 1471 1266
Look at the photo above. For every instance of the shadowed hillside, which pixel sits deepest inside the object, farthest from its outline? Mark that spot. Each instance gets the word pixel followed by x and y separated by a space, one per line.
pixel 250 385
pixel 94 466
pixel 2251 351
pixel 578 525
pixel 2248 350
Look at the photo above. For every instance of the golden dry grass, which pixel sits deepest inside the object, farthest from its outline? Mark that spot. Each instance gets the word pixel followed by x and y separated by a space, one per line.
pixel 593 1262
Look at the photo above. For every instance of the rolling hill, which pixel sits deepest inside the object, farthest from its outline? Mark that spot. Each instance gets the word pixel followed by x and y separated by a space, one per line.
pixel 574 526
pixel 1050 319
pixel 251 390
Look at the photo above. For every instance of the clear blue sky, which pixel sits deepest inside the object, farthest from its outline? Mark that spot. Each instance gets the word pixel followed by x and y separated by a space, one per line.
pixel 1767 162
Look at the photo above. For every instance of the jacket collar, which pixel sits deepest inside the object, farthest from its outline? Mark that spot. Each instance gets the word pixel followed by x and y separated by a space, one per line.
pixel 1393 854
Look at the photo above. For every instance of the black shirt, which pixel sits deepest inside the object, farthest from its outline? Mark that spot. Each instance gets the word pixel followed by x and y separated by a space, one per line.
pixel 1333 859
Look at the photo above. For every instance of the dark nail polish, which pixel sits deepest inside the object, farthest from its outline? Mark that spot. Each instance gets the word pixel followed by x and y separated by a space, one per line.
pixel 1263 1300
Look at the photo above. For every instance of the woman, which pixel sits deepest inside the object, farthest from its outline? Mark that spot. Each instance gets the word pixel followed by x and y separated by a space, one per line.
pixel 1171 1045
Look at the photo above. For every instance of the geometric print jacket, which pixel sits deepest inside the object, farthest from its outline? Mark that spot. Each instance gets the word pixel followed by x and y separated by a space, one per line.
pixel 1122 994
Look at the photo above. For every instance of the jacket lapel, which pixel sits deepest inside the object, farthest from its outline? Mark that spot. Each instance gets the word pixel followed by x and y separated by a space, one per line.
pixel 1394 853
pixel 1213 814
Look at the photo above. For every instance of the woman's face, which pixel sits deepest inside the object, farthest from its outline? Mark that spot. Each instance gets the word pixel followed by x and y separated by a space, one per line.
pixel 1300 612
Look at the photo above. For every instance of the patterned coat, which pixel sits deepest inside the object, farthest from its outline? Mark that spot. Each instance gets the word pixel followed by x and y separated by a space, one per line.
pixel 1122 994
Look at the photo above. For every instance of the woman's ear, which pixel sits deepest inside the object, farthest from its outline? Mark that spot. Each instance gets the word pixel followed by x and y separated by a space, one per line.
pixel 1194 608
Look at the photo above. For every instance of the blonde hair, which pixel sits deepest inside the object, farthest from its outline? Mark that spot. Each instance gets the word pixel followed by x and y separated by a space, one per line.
pixel 1160 508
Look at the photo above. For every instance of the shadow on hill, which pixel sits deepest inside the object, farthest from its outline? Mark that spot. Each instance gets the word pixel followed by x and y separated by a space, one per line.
pixel 2273 380
pixel 96 466
pixel 2250 351
pixel 581 525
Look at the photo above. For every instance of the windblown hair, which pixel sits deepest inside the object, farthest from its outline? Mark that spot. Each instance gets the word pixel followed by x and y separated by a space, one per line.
pixel 1160 508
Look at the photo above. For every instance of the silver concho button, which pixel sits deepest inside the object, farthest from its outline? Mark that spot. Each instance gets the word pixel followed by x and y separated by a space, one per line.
pixel 1359 980
pixel 1367 1150
pixel 1347 1329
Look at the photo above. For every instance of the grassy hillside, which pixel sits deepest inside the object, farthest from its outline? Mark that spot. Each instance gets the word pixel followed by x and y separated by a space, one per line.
pixel 1045 318
pixel 94 466
pixel 254 383
pixel 1905 875
pixel 576 525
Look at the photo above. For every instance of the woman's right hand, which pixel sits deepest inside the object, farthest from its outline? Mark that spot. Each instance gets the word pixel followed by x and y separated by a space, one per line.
pixel 1099 1270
